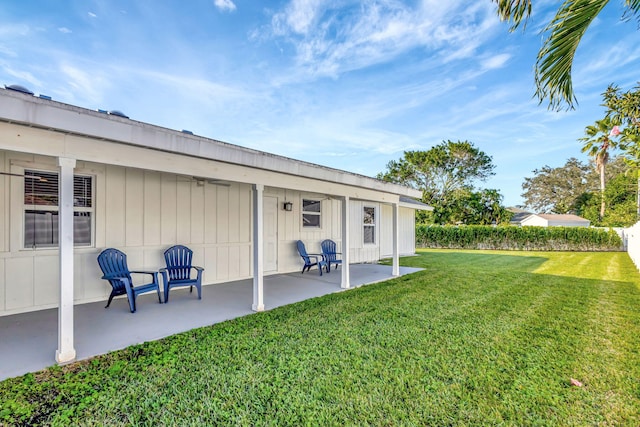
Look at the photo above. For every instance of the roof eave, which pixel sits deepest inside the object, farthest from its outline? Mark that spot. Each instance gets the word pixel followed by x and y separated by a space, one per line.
pixel 70 119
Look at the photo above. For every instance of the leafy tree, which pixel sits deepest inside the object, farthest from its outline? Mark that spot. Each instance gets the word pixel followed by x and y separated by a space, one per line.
pixel 623 108
pixel 599 140
pixel 617 165
pixel 440 171
pixel 558 190
pixel 483 207
pixel 573 188
pixel 564 33
pixel 446 174
pixel 620 196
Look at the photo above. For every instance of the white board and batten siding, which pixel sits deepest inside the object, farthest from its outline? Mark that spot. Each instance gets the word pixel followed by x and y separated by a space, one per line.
pixel 139 212
pixel 143 212
pixel 383 247
pixel 360 251
pixel 407 229
pixel 290 227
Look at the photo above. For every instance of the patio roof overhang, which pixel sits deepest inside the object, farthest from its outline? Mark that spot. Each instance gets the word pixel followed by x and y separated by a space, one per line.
pixel 68 133
pixel 84 134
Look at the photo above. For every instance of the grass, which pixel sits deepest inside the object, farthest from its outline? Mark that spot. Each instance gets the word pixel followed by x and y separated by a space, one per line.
pixel 477 338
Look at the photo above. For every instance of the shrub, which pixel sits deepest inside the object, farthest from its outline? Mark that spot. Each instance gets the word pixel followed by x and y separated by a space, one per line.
pixel 518 238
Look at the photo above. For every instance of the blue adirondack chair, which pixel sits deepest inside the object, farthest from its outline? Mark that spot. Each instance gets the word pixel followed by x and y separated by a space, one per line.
pixel 329 253
pixel 113 264
pixel 310 259
pixel 178 271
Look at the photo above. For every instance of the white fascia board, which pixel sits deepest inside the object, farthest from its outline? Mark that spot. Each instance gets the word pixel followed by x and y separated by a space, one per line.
pixel 68 119
pixel 20 138
pixel 415 206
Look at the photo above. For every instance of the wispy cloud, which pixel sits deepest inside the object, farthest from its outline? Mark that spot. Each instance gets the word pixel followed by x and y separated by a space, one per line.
pixel 7 51
pixel 606 57
pixel 299 16
pixel 202 88
pixel 22 76
pixel 92 15
pixel 331 38
pixel 64 30
pixel 225 5
pixel 14 30
pixel 85 84
pixel 495 61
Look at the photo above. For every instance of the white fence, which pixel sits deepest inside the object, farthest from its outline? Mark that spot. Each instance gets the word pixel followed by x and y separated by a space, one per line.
pixel 631 238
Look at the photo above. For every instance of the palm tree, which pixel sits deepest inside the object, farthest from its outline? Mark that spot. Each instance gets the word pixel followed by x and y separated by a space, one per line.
pixel 598 141
pixel 555 58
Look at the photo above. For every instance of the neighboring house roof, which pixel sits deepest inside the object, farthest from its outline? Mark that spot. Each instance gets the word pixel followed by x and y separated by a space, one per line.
pixel 43 113
pixel 563 217
pixel 522 217
pixel 414 204
pixel 557 220
pixel 518 217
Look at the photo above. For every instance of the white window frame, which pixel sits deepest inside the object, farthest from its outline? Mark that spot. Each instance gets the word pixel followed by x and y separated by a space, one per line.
pixel 56 208
pixel 312 213
pixel 372 226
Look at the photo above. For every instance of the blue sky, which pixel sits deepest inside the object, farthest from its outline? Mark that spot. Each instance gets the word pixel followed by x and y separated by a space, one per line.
pixel 345 84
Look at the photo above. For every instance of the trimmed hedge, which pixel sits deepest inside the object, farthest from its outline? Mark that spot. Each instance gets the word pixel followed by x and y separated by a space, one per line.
pixel 518 238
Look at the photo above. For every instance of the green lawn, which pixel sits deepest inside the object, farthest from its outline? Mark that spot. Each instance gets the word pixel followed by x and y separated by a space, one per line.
pixel 478 338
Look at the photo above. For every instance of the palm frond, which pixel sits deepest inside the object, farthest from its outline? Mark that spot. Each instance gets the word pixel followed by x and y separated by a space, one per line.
pixel 555 59
pixel 633 10
pixel 516 11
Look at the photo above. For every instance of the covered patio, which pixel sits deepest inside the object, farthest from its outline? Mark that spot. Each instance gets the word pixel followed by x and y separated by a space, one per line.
pixel 28 341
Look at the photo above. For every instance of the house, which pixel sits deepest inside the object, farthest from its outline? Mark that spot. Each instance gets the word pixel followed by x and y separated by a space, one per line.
pixel 553 220
pixel 75 181
pixel 522 217
pixel 518 215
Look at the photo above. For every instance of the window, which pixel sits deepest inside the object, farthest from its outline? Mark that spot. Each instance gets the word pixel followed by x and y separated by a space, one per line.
pixel 369 225
pixel 311 213
pixel 41 208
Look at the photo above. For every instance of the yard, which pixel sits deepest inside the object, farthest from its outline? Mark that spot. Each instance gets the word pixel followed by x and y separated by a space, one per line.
pixel 478 338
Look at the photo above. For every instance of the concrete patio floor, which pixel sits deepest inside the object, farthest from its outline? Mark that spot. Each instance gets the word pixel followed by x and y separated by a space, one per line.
pixel 28 341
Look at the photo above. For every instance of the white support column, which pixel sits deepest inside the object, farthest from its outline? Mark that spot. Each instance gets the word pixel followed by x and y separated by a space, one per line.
pixel 65 352
pixel 396 240
pixel 346 223
pixel 258 248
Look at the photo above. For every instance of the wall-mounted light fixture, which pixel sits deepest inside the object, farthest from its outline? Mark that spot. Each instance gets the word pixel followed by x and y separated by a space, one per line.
pixel 287 206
